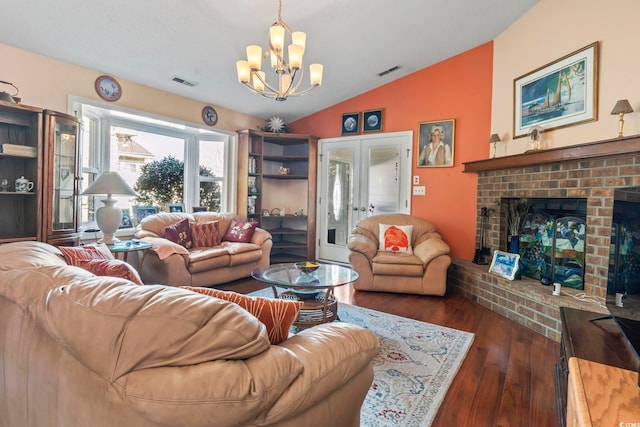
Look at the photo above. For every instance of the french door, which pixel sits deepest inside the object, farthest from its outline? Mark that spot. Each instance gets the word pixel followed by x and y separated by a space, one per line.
pixel 359 176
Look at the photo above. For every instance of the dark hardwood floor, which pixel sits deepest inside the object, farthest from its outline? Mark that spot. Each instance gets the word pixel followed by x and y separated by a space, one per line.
pixel 507 378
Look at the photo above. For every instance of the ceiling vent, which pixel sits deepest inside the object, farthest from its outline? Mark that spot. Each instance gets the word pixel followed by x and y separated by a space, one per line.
pixel 184 82
pixel 390 70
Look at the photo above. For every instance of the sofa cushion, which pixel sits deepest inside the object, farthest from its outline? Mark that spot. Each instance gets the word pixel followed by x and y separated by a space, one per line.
pixel 19 255
pixel 277 315
pixel 76 255
pixel 112 268
pixel 205 234
pixel 139 327
pixel 180 233
pixel 397 264
pixel 395 238
pixel 240 231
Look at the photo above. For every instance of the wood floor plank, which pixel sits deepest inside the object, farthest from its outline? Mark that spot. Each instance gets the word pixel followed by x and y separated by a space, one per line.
pixel 507 377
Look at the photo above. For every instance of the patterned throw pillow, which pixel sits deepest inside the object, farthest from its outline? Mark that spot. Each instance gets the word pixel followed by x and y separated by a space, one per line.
pixel 205 234
pixel 240 231
pixel 113 268
pixel 395 238
pixel 277 315
pixel 75 255
pixel 180 233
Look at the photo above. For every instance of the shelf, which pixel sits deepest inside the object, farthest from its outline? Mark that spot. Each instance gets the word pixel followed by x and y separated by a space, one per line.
pixel 17 238
pixel 289 245
pixel 285 176
pixel 35 156
pixel 18 193
pixel 275 158
pixel 286 231
pixel 609 147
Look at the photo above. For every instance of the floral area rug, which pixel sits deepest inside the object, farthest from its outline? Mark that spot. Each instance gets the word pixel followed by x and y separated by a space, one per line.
pixel 413 370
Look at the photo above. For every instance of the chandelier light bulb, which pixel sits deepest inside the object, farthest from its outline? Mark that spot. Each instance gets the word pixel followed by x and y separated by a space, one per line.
pixel 276 37
pixel 254 57
pixel 299 38
pixel 244 72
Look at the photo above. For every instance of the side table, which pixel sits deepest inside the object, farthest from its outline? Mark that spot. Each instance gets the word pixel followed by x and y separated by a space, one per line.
pixel 125 247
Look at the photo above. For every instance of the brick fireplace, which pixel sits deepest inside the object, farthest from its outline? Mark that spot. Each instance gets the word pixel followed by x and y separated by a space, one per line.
pixel 590 171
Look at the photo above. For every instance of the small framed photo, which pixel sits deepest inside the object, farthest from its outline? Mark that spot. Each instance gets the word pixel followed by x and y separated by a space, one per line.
pixel 504 264
pixel 372 121
pixel 351 124
pixel 126 219
pixel 200 209
pixel 435 143
pixel 175 207
pixel 140 212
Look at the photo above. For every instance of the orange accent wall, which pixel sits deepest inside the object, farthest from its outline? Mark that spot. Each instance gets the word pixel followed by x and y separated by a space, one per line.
pixel 457 88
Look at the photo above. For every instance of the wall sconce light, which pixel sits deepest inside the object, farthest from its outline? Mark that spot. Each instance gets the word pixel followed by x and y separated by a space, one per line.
pixel 621 108
pixel 492 140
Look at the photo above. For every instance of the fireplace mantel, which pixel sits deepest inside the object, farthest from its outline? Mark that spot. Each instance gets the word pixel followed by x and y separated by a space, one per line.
pixel 608 148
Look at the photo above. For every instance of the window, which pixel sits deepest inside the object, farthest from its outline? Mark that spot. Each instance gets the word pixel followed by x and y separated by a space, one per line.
pixel 136 144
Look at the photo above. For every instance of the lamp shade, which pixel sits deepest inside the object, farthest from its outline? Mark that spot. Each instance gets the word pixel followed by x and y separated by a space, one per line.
pixel 622 106
pixel 109 183
pixel 108 217
pixel 494 138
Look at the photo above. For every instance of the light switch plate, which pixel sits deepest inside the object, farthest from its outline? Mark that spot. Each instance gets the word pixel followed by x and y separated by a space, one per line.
pixel 419 190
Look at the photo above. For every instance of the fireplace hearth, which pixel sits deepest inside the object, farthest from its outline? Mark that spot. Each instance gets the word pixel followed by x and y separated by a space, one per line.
pixel 586 174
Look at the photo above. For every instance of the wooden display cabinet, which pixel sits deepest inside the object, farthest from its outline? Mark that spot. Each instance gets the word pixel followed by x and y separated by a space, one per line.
pixel 264 191
pixel 21 139
pixel 61 175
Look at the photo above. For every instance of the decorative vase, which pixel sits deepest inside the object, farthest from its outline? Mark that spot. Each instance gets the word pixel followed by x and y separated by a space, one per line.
pixel 514 244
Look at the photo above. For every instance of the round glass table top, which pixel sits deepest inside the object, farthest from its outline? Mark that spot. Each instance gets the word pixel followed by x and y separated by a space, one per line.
pixel 288 276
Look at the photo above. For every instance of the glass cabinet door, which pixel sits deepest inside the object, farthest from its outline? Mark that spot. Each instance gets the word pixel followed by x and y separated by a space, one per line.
pixel 60 215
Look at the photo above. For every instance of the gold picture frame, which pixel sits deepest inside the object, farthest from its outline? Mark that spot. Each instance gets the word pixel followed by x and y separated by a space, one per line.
pixel 436 144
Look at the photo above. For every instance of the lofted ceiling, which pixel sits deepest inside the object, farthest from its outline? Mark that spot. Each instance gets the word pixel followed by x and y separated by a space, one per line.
pixel 152 41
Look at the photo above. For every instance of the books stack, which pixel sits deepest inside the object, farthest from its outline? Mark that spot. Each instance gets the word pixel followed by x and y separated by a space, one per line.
pixel 18 150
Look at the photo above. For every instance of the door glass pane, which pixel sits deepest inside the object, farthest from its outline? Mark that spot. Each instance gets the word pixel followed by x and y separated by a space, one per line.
pixel 211 174
pixel 384 182
pixel 338 198
pixel 64 159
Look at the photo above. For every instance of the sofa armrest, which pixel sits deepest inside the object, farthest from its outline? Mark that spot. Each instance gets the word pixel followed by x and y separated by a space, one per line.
pixel 259 236
pixel 165 248
pixel 331 354
pixel 362 244
pixel 429 249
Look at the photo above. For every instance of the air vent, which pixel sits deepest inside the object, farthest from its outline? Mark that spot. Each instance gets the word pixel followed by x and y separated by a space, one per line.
pixel 184 82
pixel 390 70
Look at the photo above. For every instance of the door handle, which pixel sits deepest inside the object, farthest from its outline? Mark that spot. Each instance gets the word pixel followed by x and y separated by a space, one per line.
pixel 362 209
pixel 355 208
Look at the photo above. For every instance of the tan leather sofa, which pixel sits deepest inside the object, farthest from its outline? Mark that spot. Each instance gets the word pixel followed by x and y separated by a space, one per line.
pixel 422 272
pixel 169 263
pixel 78 350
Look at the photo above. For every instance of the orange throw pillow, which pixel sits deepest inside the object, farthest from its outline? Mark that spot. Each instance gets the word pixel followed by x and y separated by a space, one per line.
pixel 277 315
pixel 76 255
pixel 113 268
pixel 205 234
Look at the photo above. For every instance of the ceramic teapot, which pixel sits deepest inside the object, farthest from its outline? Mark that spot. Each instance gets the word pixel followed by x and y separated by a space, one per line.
pixel 23 185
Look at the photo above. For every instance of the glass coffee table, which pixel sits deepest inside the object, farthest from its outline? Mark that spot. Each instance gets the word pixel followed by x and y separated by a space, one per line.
pixel 315 290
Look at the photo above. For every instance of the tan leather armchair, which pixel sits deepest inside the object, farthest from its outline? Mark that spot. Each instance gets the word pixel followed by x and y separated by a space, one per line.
pixel 424 271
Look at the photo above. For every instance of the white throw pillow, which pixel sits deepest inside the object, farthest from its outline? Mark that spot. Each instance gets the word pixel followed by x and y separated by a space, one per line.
pixel 395 238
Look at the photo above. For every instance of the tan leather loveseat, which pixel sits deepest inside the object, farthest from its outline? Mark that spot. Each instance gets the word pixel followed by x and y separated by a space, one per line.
pixel 424 271
pixel 78 350
pixel 169 263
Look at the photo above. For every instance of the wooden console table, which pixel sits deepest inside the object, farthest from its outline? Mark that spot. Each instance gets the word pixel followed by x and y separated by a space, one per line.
pixel 598 341
pixel 602 395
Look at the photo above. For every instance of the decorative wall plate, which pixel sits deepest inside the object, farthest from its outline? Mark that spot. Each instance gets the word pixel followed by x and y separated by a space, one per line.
pixel 209 115
pixel 108 88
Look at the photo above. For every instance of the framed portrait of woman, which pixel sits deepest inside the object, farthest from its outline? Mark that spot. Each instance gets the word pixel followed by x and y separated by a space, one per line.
pixel 435 144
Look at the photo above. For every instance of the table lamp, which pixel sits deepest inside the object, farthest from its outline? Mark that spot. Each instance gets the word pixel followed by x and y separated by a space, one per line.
pixel 108 217
pixel 492 140
pixel 621 108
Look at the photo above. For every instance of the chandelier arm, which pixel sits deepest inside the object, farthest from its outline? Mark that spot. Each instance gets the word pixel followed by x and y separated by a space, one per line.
pixel 266 95
pixel 265 83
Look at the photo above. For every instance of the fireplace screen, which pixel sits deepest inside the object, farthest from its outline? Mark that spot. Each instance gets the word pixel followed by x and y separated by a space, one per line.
pixel 553 247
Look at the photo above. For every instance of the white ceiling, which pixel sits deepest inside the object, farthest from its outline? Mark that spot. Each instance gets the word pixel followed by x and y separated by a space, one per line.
pixel 151 41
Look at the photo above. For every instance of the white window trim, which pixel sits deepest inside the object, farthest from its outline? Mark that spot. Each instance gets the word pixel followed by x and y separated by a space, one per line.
pixel 191 135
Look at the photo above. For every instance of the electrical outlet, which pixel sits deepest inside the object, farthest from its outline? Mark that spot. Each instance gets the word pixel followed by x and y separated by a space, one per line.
pixel 419 190
pixel 416 179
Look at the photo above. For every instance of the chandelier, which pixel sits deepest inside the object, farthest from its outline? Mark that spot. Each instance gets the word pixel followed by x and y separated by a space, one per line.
pixel 290 73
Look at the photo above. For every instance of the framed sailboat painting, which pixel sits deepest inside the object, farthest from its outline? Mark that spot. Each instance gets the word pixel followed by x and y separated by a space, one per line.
pixel 561 93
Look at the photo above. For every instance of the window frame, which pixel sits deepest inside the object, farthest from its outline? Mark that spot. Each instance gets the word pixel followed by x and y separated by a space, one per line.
pixel 105 116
